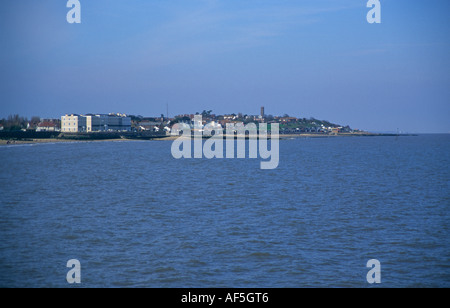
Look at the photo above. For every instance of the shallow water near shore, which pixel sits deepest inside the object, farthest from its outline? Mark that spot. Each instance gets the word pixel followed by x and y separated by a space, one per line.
pixel 136 217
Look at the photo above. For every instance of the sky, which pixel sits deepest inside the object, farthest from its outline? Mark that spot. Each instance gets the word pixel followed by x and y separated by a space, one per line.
pixel 304 58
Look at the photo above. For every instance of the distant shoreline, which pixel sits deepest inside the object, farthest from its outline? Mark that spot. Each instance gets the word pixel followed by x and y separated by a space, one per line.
pixel 4 142
pixel 53 140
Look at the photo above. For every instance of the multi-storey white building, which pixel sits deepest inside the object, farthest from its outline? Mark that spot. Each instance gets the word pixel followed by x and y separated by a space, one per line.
pixel 75 123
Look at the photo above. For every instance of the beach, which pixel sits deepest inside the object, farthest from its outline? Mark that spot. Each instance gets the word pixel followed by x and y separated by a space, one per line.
pixel 52 140
pixel 171 138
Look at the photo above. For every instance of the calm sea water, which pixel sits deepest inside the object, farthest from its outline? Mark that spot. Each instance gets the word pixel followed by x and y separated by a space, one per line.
pixel 136 217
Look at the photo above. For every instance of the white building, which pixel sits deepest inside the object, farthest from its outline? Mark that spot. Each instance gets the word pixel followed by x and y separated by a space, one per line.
pixel 47 126
pixel 75 123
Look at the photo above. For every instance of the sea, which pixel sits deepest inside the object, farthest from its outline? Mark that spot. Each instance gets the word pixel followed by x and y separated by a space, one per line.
pixel 134 216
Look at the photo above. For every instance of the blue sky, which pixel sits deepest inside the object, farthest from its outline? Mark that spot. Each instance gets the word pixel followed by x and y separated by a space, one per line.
pixel 312 58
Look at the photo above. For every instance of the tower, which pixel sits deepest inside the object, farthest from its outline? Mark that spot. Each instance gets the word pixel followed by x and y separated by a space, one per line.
pixel 262 112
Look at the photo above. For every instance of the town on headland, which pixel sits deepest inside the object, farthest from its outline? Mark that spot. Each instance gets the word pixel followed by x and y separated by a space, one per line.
pixel 117 126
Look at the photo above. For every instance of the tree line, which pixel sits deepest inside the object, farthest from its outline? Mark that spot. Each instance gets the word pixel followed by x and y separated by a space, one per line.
pixel 16 122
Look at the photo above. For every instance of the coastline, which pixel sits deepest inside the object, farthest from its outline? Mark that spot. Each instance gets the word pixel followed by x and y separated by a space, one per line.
pixel 4 142
pixel 52 140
